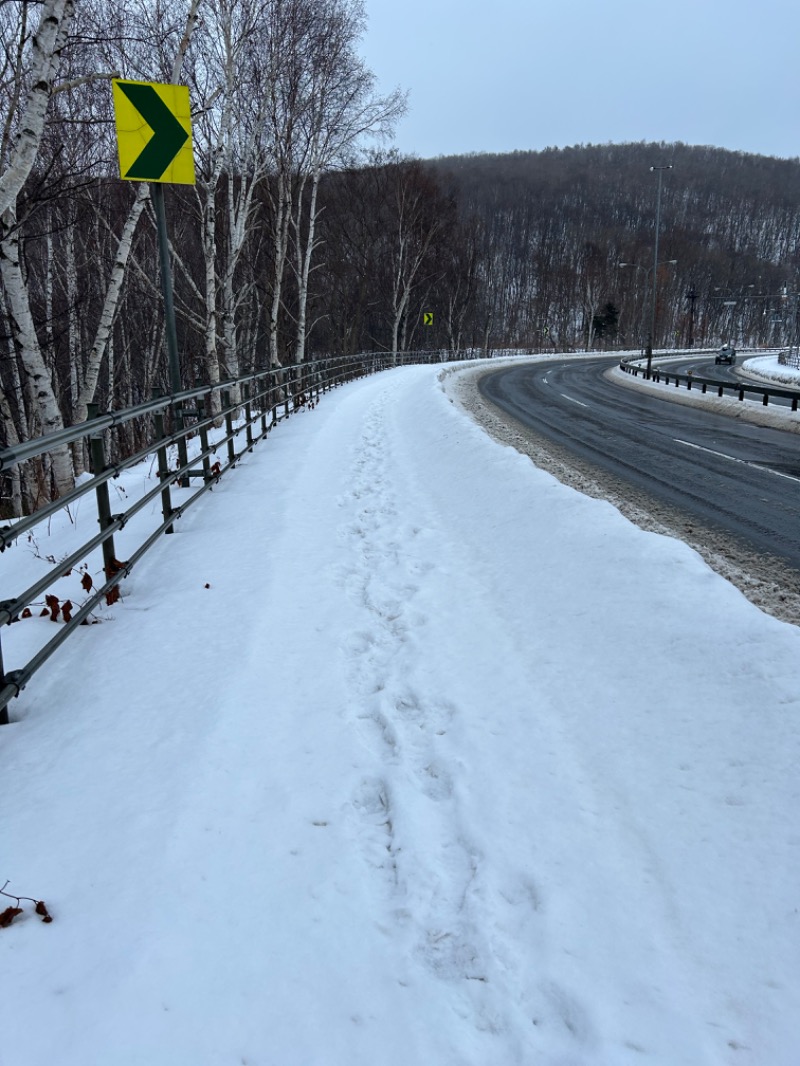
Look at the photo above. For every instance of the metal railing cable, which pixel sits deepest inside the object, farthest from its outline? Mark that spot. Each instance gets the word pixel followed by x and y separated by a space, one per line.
pixel 238 413
pixel 703 384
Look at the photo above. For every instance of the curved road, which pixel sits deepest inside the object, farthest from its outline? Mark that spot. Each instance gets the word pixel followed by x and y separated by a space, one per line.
pixel 734 477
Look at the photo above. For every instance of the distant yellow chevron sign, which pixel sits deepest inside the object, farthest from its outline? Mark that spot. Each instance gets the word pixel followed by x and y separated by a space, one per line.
pixel 427 318
pixel 154 132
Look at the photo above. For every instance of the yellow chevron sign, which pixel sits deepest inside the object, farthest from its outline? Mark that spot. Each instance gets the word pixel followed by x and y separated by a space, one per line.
pixel 427 318
pixel 154 132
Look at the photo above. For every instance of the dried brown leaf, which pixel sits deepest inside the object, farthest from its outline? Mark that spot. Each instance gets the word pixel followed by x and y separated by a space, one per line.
pixel 41 909
pixel 8 916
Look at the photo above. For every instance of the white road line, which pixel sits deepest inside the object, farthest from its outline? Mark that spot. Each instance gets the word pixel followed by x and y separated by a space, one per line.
pixel 733 459
pixel 573 400
pixel 777 473
pixel 710 451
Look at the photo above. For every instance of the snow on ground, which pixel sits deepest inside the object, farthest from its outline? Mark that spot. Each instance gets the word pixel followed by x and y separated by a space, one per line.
pixel 449 765
pixel 767 368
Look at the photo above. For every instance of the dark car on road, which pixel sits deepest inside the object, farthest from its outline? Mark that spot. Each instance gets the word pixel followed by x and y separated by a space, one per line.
pixel 726 354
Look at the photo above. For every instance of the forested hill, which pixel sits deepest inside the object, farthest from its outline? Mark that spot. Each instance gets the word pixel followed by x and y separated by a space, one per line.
pixel 557 224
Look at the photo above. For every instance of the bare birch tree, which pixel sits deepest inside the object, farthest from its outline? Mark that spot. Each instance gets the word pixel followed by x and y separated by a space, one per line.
pixel 413 222
pixel 32 69
pixel 340 109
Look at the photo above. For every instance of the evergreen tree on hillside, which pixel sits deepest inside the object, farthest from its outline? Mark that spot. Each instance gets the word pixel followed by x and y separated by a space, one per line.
pixel 604 324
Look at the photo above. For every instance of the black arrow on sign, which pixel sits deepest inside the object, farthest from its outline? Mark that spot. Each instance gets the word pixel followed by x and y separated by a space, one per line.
pixel 168 138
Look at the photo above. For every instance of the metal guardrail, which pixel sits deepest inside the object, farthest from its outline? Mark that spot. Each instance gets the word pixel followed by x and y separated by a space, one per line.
pixel 267 398
pixel 692 381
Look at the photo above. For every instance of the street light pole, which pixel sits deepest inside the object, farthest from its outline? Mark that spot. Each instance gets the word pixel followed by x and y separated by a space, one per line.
pixel 648 270
pixel 652 336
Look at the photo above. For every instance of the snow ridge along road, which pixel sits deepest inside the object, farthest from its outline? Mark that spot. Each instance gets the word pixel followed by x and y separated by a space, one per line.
pixel 452 770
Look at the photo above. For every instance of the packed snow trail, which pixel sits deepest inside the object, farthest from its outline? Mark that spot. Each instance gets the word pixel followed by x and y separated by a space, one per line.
pixel 449 765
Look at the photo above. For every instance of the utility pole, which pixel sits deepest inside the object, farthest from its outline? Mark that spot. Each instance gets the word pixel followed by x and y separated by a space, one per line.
pixel 651 339
pixel 691 296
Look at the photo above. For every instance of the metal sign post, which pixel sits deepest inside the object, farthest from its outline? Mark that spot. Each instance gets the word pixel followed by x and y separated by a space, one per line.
pixel 157 196
pixel 154 140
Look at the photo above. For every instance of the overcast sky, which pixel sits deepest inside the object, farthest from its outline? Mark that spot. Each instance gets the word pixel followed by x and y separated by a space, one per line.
pixel 500 75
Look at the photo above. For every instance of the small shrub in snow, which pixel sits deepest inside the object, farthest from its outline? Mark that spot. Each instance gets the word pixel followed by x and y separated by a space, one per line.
pixel 10 913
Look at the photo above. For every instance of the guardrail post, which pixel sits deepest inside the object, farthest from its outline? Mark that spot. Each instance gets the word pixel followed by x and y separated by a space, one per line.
pixel 203 430
pixel 765 401
pixel 248 414
pixel 183 455
pixel 226 402
pixel 4 708
pixel 263 398
pixel 163 471
pixel 97 454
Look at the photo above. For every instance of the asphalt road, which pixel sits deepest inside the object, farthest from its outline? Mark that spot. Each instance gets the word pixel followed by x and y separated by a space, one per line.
pixel 733 477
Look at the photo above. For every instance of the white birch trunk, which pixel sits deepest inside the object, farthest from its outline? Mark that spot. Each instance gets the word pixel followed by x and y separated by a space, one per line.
pixel 231 355
pixel 12 439
pixel 30 351
pixel 186 40
pixel 112 372
pixel 19 396
pixel 399 296
pixel 153 350
pixel 279 260
pixel 110 304
pixel 305 252
pixel 46 45
pixel 48 296
pixel 211 357
pixel 229 337
pixel 239 209
pixel 71 288
pixel 397 318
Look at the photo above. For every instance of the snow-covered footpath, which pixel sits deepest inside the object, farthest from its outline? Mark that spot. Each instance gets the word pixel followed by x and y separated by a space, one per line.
pixel 450 765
